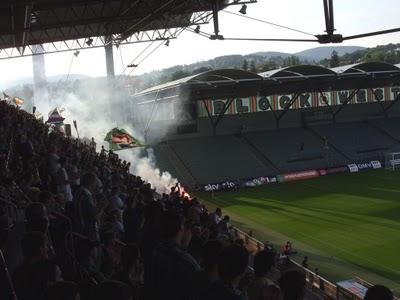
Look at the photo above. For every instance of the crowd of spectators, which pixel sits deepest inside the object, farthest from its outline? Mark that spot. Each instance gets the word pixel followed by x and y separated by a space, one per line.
pixel 95 231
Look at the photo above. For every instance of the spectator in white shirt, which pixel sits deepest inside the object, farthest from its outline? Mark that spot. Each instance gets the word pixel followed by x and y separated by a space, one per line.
pixel 63 184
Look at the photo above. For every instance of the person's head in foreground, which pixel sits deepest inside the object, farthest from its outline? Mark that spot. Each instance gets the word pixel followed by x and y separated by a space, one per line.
pixel 263 262
pixel 112 290
pixel 63 290
pixel 293 285
pixel 378 292
pixel 232 263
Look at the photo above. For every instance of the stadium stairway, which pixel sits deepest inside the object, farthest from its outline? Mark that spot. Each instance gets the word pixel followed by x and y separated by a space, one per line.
pixel 259 154
pixel 357 140
pixel 339 153
pixel 183 167
pixel 168 160
pixel 290 149
pixel 388 127
pixel 215 159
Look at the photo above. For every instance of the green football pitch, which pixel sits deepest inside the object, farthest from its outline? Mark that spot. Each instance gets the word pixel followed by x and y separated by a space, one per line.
pixel 347 224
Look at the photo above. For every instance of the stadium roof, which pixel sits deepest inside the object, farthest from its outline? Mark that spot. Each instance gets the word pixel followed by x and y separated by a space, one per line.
pixel 296 79
pixel 206 77
pixel 299 71
pixel 366 67
pixel 30 22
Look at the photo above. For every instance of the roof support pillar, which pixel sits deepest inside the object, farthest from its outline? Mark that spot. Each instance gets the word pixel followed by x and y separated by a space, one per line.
pixel 271 108
pixel 286 108
pixel 40 92
pixel 109 58
pixel 385 110
pixel 380 103
pixel 220 116
pixel 348 99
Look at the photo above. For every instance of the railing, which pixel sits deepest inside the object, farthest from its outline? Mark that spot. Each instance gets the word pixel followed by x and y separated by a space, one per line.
pixel 12 213
pixel 315 282
pixel 9 285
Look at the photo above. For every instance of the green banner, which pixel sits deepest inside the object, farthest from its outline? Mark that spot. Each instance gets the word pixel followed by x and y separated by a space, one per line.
pixel 120 139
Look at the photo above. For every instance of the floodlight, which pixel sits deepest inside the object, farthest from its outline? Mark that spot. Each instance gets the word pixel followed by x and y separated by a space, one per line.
pixel 89 42
pixel 243 10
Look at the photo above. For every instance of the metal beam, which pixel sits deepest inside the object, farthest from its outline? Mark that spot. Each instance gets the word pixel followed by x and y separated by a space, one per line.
pixel 131 29
pixel 71 43
pixel 380 103
pixel 108 49
pixel 208 113
pixel 391 104
pixel 221 114
pixel 348 99
pixel 326 102
pixel 286 108
pixel 80 44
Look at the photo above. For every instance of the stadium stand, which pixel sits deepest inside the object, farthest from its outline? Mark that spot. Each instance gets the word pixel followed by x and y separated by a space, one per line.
pixel 270 152
pixel 390 127
pixel 70 213
pixel 90 245
pixel 169 160
pixel 356 140
pixel 237 161
pixel 294 149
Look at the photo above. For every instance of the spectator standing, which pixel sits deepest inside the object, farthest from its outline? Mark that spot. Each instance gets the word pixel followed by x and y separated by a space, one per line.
pixel 85 208
pixel 215 217
pixel 232 264
pixel 264 261
pixel 223 227
pixel 130 270
pixel 173 268
pixel 63 183
pixel 131 220
pixel 304 263
pixel 63 290
pixel 293 285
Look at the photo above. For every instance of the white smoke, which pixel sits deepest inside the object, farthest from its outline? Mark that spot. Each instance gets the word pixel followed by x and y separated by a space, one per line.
pixel 97 110
pixel 145 167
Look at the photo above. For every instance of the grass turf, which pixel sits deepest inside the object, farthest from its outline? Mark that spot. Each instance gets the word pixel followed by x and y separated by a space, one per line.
pixel 348 224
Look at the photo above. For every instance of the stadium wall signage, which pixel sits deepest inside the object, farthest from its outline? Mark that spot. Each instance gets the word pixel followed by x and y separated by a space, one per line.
pixel 260 181
pixel 336 170
pixel 293 176
pixel 232 185
pixel 253 104
pixel 298 176
pixel 228 185
pixel 375 164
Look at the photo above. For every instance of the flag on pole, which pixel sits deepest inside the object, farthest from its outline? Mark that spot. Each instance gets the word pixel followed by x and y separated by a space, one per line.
pixel 18 101
pixel 55 116
pixel 38 116
pixel 120 139
pixel 6 97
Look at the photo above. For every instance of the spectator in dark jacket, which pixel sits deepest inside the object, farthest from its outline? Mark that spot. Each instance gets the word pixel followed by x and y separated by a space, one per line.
pixel 232 263
pixel 131 221
pixel 173 268
pixel 293 285
pixel 378 292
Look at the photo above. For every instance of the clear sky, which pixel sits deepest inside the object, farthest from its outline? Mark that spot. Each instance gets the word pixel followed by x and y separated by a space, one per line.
pixel 351 17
